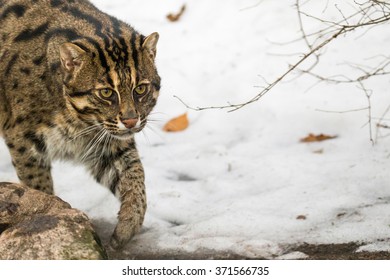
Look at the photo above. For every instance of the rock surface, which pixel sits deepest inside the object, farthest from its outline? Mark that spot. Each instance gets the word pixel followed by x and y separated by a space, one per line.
pixel 34 225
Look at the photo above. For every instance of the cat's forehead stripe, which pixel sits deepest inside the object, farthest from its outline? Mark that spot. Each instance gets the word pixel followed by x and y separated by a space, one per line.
pixel 107 46
pixel 115 78
pixel 134 49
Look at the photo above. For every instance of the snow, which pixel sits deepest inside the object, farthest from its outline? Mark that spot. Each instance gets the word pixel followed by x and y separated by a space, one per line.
pixel 238 181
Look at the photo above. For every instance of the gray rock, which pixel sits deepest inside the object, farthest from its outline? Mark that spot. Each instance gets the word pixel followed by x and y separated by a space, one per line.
pixel 34 225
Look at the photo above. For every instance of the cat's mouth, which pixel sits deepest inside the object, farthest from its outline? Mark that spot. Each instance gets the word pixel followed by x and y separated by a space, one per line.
pixel 123 134
pixel 123 130
pixel 120 134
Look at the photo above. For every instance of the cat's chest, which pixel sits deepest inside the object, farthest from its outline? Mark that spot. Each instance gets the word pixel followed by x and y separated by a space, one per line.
pixel 75 144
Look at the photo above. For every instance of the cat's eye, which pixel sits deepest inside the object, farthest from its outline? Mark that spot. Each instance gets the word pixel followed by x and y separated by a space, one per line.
pixel 106 93
pixel 140 90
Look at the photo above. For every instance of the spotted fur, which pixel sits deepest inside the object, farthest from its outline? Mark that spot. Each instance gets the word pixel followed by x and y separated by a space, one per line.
pixel 76 84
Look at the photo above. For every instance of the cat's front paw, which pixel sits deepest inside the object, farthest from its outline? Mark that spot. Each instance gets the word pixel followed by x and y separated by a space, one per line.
pixel 130 219
pixel 123 233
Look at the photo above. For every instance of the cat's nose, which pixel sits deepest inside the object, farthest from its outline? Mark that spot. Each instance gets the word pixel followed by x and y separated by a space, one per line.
pixel 129 122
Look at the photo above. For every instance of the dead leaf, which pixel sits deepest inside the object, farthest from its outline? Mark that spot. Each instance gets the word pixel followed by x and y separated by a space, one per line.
pixel 301 217
pixel 177 124
pixel 339 215
pixel 175 17
pixel 317 138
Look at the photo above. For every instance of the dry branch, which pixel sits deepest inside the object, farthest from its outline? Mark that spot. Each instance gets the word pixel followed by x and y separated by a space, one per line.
pixel 369 13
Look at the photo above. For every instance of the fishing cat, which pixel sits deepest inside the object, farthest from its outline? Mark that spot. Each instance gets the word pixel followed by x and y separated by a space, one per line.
pixel 76 84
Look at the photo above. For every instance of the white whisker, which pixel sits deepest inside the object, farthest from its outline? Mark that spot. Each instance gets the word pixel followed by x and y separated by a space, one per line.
pixel 106 143
pixel 146 137
pixel 158 113
pixel 84 132
pixel 94 142
pixel 154 120
pixel 155 131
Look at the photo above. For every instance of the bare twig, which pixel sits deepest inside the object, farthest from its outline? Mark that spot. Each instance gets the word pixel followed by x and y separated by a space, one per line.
pixel 368 13
pixel 253 6
pixel 380 124
pixel 234 107
pixel 343 112
pixel 368 94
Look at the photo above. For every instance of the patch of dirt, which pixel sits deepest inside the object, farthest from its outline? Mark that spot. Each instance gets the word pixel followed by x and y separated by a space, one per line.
pixel 175 255
pixel 345 251
pixel 137 250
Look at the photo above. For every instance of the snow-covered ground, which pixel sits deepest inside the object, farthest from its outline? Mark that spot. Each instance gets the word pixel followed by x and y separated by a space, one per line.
pixel 238 181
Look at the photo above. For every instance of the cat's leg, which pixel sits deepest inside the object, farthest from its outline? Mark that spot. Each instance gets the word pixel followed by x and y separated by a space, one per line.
pixel 124 175
pixel 131 190
pixel 29 157
pixel 4 111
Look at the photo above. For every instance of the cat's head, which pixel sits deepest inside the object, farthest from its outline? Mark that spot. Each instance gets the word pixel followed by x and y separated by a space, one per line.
pixel 111 83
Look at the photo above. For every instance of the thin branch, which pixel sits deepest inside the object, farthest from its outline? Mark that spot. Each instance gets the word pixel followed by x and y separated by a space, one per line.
pixel 368 94
pixel 343 112
pixel 369 13
pixel 253 6
pixel 235 107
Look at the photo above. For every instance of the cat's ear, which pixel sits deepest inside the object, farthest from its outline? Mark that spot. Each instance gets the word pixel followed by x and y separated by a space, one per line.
pixel 150 44
pixel 70 55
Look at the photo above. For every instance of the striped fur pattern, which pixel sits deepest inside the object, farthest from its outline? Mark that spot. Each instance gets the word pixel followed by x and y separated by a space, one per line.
pixel 77 84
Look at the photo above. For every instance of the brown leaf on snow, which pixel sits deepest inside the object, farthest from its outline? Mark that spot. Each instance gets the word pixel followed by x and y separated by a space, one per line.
pixel 177 124
pixel 175 17
pixel 301 217
pixel 317 138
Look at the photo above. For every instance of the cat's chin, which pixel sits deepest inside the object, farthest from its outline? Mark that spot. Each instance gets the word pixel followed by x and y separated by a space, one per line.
pixel 123 136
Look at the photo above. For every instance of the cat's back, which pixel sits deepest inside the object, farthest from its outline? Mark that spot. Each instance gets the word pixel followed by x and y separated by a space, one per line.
pixel 34 29
pixel 38 21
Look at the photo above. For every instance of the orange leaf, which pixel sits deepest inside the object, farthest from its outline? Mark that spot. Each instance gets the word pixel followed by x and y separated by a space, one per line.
pixel 177 124
pixel 175 17
pixel 317 138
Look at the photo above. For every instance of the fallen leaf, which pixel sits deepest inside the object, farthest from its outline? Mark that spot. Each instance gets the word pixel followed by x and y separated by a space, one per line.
pixel 175 17
pixel 317 138
pixel 177 124
pixel 301 217
pixel 339 215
